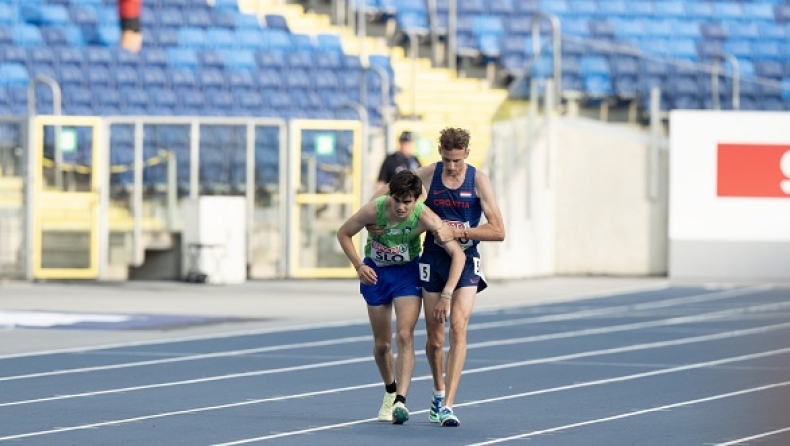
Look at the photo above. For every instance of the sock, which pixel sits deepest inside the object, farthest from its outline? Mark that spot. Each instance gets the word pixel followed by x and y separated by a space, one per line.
pixel 400 398
pixel 391 388
pixel 439 393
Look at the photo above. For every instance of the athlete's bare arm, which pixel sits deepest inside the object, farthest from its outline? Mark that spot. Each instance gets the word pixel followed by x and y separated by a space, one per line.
pixel 364 216
pixel 433 223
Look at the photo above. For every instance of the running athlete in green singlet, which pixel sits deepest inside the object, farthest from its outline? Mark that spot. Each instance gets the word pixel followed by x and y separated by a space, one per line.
pixel 389 278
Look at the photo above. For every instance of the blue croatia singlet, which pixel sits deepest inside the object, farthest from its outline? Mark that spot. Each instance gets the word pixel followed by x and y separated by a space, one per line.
pixel 460 208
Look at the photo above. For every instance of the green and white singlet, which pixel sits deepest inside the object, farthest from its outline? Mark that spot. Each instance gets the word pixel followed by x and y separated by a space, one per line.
pixel 400 243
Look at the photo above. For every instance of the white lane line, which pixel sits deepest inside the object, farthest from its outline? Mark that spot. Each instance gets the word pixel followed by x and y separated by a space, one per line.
pixel 534 393
pixel 309 326
pixel 475 326
pixel 466 372
pixel 537 338
pixel 754 437
pixel 636 413
pixel 223 354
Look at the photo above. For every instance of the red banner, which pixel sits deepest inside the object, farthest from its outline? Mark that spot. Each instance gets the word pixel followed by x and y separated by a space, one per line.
pixel 753 170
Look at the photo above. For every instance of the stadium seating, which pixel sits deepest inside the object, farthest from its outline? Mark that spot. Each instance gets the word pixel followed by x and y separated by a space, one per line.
pixel 670 31
pixel 187 44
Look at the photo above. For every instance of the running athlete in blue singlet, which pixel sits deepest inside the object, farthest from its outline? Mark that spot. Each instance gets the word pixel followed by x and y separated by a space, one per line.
pixel 459 194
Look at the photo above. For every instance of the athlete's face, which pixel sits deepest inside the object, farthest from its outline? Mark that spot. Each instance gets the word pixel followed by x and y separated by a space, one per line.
pixel 403 206
pixel 454 160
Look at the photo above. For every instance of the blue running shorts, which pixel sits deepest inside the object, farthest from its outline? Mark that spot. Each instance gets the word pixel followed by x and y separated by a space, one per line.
pixel 393 282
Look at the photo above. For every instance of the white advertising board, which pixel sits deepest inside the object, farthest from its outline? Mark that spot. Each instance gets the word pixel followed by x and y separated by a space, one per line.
pixel 729 199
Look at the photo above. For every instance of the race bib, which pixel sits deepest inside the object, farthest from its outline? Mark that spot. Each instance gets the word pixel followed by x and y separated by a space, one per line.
pixel 465 243
pixel 388 256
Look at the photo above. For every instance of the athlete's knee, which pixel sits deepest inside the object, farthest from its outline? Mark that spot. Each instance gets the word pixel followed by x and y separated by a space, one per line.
pixel 458 332
pixel 434 343
pixel 382 348
pixel 405 337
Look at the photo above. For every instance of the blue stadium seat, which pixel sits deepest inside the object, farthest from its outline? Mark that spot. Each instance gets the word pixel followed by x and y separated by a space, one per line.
pixel 758 11
pixel 329 42
pixel 277 40
pixel 108 97
pixel 14 54
pixel 41 56
pixel 170 17
pixel 127 77
pixel 247 21
pixel 713 31
pixel 134 97
pixel 163 97
pixel 180 78
pixel 13 74
pixel 211 58
pixel 223 19
pixel 125 58
pixel 769 69
pixel 182 58
pixel 197 18
pixel 155 57
pixel 328 60
pixel 299 59
pixel 501 8
pixel 274 59
pixel 276 21
pixel 78 96
pixel 576 27
pixel 413 22
pixel 27 35
pixel 82 16
pixel 489 32
pixel 6 37
pixel 210 78
pixel 221 38
pixel 154 77
pixel 232 5
pixel 270 78
pixel 239 80
pixel 98 75
pixel 613 8
pixel 240 59
pixel 193 38
pixel 70 75
pixel 9 14
pixel 98 56
pixel 671 8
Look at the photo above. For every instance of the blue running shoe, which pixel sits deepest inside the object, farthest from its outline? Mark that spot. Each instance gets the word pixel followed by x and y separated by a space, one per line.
pixel 448 418
pixel 436 403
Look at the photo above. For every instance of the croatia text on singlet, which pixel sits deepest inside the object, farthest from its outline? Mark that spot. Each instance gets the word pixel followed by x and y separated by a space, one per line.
pixel 459 208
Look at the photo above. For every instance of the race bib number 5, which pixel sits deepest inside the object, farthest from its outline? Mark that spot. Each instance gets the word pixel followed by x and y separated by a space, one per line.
pixel 425 272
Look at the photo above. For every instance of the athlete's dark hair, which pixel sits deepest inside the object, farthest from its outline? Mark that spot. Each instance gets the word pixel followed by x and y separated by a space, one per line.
pixel 454 138
pixel 405 184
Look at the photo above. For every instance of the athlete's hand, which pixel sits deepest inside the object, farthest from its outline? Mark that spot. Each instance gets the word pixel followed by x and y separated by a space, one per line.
pixel 444 234
pixel 441 312
pixel 367 275
pixel 375 230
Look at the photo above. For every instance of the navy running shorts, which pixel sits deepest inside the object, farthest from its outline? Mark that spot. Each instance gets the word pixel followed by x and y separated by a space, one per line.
pixel 435 267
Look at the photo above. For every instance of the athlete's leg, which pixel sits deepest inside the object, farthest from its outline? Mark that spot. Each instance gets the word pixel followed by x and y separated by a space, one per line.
pixel 381 324
pixel 434 346
pixel 460 311
pixel 407 311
